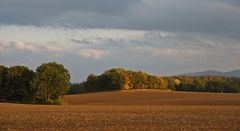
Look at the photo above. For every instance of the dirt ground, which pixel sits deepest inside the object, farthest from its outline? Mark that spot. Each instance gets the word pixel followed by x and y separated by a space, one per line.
pixel 154 97
pixel 128 110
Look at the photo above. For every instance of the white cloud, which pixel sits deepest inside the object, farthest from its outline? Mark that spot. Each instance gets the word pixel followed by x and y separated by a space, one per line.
pixel 92 42
pixel 136 49
pixel 92 53
pixel 170 52
pixel 101 36
pixel 13 46
pixel 54 49
pixel 6 46
pixel 23 46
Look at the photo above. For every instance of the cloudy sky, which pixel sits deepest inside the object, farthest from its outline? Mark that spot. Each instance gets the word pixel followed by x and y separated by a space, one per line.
pixel 161 37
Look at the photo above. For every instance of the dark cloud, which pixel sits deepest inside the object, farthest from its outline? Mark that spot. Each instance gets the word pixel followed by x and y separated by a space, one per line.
pixel 220 17
pixel 190 15
pixel 28 12
pixel 80 41
pixel 103 6
pixel 232 2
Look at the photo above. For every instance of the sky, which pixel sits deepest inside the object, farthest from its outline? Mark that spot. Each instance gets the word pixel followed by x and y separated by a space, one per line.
pixel 160 37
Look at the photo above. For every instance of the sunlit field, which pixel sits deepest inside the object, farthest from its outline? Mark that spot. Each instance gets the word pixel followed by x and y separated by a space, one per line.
pixel 128 110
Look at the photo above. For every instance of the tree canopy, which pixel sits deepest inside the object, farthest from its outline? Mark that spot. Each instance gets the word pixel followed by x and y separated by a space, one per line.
pixel 3 70
pixel 205 83
pixel 18 84
pixel 51 81
pixel 47 85
pixel 120 79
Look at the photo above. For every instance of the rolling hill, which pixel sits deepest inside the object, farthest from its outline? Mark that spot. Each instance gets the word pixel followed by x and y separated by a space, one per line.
pixel 152 97
pixel 234 73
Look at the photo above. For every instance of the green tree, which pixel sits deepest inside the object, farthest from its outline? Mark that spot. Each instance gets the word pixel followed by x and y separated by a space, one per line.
pixel 18 84
pixel 92 82
pixel 231 87
pixel 78 88
pixel 3 71
pixel 198 84
pixel 171 84
pixel 214 86
pixel 51 81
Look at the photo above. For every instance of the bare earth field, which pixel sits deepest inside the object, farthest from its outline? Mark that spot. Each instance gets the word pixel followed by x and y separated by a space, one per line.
pixel 128 110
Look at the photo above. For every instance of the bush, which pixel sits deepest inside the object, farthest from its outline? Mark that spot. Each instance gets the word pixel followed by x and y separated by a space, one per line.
pixel 58 101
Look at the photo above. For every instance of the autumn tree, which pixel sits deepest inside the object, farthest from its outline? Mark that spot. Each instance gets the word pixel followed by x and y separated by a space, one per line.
pixel 114 79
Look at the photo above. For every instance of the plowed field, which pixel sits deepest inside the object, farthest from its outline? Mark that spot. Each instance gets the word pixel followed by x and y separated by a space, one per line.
pixel 128 110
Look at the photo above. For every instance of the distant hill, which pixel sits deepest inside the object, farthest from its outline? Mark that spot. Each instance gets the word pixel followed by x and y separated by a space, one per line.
pixel 234 73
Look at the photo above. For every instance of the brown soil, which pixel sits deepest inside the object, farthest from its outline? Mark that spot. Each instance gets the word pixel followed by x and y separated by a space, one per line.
pixel 154 97
pixel 128 110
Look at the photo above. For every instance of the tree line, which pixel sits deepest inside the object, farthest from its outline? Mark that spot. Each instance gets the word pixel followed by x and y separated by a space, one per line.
pixel 51 81
pixel 204 84
pixel 47 85
pixel 120 79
